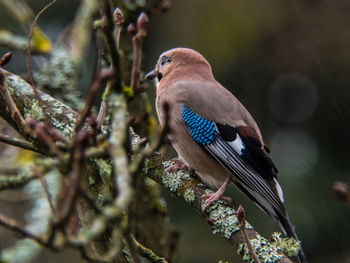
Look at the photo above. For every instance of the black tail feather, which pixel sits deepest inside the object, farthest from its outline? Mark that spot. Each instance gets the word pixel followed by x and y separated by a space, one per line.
pixel 289 229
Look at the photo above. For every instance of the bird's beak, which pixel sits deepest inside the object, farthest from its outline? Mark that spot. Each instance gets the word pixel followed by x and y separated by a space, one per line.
pixel 151 75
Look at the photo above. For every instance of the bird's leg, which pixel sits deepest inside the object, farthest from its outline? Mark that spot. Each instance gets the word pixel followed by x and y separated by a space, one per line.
pixel 213 197
pixel 178 165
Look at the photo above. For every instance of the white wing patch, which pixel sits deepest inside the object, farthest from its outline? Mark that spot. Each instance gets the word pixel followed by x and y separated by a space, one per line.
pixel 279 190
pixel 238 145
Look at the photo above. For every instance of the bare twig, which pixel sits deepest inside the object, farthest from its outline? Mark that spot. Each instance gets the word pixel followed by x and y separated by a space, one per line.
pixel 18 143
pixel 11 224
pixel 134 250
pixel 29 63
pixel 45 186
pixel 155 146
pixel 48 135
pixel 15 181
pixel 92 94
pixel 5 59
pixel 10 105
pixel 70 192
pixel 101 113
pixel 118 19
pixel 242 225
pixel 147 252
pixel 173 245
pixel 137 40
pixel 108 29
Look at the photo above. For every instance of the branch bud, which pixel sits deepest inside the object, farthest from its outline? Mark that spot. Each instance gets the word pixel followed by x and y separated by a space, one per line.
pixel 132 30
pixel 118 17
pixel 340 189
pixel 142 22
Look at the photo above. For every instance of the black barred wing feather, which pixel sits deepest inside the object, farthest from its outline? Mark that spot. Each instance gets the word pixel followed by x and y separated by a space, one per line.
pixel 229 155
pixel 243 156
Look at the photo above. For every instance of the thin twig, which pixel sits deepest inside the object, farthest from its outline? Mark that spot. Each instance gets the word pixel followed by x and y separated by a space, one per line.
pixel 241 223
pixel 5 59
pixel 15 181
pixel 136 165
pixel 133 246
pixel 46 187
pixel 92 94
pixel 173 244
pixel 48 135
pixel 137 40
pixel 18 143
pixel 13 225
pixel 108 30
pixel 147 252
pixel 70 193
pixel 29 62
pixel 118 19
pixel 11 106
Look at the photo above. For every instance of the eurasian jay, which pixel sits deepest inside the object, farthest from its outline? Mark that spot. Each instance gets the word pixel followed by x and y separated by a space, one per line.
pixel 214 134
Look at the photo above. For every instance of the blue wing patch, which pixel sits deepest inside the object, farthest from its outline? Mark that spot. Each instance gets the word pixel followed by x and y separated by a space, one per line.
pixel 201 129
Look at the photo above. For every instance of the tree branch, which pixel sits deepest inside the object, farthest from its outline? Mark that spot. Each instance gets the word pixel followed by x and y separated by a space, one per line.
pixel 220 215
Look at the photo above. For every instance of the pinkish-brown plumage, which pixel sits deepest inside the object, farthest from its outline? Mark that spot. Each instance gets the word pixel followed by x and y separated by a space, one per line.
pixel 236 152
pixel 188 80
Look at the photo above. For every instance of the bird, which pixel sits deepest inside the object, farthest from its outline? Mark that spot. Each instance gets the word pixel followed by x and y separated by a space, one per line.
pixel 215 135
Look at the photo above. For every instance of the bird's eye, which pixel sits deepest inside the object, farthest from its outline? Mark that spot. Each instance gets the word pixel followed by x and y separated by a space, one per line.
pixel 164 60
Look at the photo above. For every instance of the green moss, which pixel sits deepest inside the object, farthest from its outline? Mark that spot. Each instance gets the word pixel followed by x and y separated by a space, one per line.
pixel 173 181
pixel 126 255
pixel 224 220
pixel 104 167
pixel 35 112
pixel 145 166
pixel 101 200
pixel 189 196
pixel 91 180
pixel 23 87
pixel 287 245
pixel 25 174
pixel 266 252
pixel 67 130
pixel 128 91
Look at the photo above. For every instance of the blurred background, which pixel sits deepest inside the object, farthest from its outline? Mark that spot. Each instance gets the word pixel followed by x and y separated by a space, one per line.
pixel 288 62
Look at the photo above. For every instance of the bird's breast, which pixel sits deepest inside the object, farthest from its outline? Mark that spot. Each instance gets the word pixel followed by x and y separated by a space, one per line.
pixel 210 171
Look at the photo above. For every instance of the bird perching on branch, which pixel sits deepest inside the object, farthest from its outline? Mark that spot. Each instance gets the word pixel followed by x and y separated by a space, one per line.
pixel 215 135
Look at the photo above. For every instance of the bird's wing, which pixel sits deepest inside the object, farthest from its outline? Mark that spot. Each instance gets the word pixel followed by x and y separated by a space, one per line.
pixel 239 152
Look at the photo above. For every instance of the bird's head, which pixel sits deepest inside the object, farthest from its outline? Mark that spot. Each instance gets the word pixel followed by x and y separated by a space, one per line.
pixel 180 63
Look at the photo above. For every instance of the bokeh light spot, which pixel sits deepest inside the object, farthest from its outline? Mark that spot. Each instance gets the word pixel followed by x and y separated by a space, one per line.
pixel 292 98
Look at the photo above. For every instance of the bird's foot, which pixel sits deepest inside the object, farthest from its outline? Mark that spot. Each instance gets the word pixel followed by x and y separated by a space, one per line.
pixel 219 194
pixel 212 198
pixel 178 165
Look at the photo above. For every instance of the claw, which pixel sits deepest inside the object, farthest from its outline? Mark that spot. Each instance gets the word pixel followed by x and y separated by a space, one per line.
pixel 178 165
pixel 219 194
pixel 212 198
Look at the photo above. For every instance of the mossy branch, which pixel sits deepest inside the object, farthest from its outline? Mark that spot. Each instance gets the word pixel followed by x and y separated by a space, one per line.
pixel 220 215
